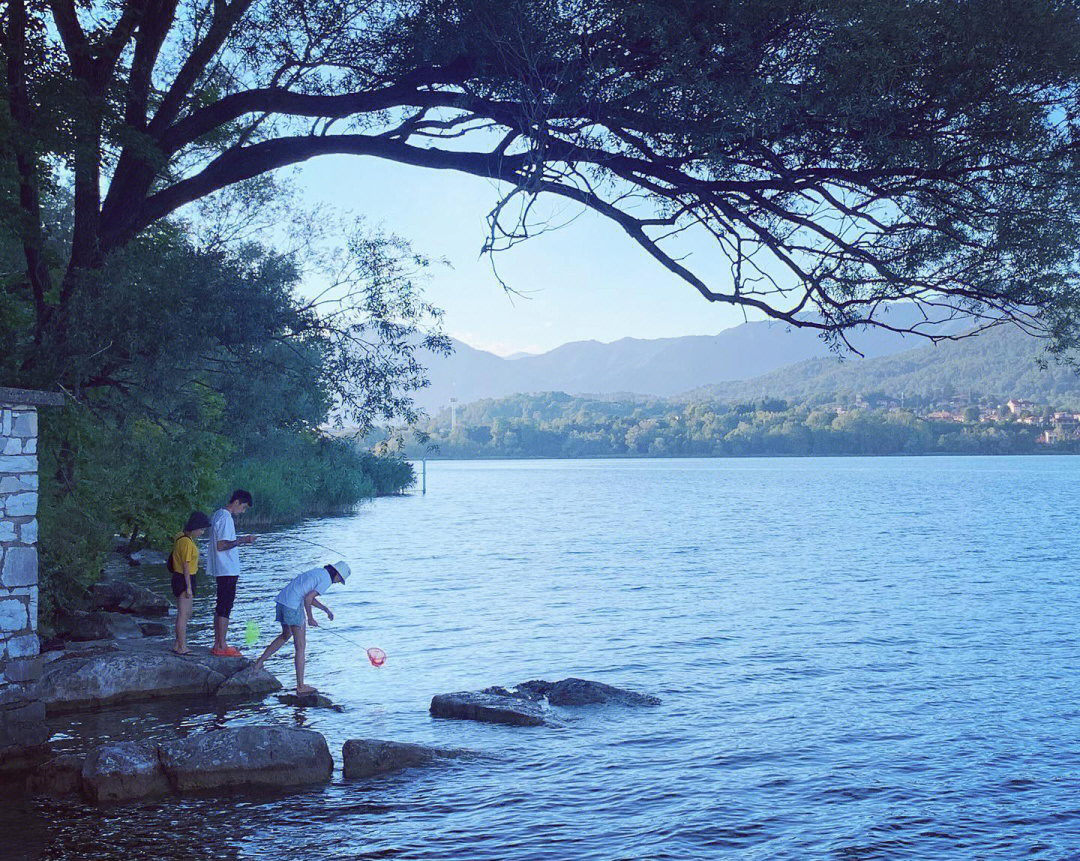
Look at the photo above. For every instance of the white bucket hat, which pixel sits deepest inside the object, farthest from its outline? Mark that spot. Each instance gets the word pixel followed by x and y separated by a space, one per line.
pixel 343 569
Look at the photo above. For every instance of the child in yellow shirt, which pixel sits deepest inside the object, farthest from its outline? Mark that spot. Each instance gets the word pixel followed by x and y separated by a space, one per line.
pixel 183 562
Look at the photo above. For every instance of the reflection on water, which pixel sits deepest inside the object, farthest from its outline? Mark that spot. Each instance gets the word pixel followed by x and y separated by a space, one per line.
pixel 858 658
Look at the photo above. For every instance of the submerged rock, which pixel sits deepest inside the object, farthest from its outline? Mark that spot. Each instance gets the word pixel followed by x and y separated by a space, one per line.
pixel 247 756
pixel 366 757
pixel 120 596
pixel 315 701
pixel 582 692
pixel 488 708
pixel 121 771
pixel 61 775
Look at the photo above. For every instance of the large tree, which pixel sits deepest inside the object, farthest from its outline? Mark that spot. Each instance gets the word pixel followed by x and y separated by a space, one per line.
pixel 840 154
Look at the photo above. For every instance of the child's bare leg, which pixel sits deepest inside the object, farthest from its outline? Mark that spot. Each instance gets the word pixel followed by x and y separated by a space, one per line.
pixel 275 644
pixel 300 638
pixel 183 614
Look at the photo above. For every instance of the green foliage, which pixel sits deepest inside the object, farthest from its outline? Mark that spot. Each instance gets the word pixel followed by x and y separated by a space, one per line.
pixel 195 369
pixel 557 425
pixel 101 475
pixel 293 476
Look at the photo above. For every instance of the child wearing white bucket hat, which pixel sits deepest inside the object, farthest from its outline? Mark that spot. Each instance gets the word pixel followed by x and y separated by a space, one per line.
pixel 293 609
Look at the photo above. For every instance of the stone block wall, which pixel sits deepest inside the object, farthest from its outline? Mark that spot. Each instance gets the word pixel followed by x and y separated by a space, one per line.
pixel 18 542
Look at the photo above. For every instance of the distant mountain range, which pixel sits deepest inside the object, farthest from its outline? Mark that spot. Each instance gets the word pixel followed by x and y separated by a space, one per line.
pixel 1001 363
pixel 662 367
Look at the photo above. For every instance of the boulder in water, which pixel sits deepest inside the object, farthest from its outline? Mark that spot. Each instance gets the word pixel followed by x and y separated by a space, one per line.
pixel 247 756
pixel 121 771
pixel 312 701
pixel 582 692
pixel 488 708
pixel 23 734
pixel 366 757
pixel 120 596
pixel 82 627
pixel 60 775
pixel 248 682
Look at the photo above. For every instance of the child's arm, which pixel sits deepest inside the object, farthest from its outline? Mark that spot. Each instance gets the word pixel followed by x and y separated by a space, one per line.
pixel 309 599
pixel 187 579
pixel 316 603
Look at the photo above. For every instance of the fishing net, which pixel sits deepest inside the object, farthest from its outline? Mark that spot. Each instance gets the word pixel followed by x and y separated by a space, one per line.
pixel 376 656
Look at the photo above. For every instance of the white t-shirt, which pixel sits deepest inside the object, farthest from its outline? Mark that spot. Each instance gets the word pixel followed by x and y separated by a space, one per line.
pixel 292 596
pixel 222 563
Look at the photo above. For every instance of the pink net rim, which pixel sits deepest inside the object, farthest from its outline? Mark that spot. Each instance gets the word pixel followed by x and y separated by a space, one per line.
pixel 377 657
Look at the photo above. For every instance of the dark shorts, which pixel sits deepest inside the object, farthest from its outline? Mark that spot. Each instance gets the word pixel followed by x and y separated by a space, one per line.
pixel 178 584
pixel 226 596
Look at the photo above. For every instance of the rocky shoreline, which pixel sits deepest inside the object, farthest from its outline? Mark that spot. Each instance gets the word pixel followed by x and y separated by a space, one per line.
pixel 111 655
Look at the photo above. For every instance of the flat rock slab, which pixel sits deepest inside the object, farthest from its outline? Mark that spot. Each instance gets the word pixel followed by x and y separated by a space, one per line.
pixel 249 757
pixel 366 757
pixel 583 692
pixel 120 596
pixel 130 675
pixel 122 771
pixel 311 701
pixel 488 708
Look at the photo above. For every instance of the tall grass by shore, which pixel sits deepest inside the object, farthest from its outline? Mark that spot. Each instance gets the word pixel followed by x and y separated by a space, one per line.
pixel 296 476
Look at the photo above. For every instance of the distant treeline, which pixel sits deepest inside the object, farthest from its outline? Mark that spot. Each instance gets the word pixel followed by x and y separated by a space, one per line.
pixel 558 425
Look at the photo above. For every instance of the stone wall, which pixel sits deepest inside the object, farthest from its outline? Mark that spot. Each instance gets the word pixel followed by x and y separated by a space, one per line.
pixel 19 662
pixel 18 541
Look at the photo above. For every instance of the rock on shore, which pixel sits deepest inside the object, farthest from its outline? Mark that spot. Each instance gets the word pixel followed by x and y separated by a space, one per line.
pixel 366 757
pixel 488 708
pixel 119 596
pixel 84 627
pixel 137 673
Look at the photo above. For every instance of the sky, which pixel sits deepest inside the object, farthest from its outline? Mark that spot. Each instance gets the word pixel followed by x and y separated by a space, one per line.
pixel 584 281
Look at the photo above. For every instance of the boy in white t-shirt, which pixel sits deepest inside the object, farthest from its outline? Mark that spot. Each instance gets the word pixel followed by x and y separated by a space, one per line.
pixel 223 564
pixel 293 610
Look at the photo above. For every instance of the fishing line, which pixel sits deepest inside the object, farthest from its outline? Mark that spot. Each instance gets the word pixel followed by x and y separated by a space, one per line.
pixel 338 553
pixel 376 656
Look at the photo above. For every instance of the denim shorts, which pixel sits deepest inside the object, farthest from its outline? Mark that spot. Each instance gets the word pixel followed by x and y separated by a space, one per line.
pixel 289 616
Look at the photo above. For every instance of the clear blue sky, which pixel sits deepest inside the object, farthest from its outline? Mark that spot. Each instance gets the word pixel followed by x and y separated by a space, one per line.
pixel 585 281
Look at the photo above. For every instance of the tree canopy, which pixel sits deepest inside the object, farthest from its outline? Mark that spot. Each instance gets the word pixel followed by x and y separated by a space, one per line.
pixel 839 154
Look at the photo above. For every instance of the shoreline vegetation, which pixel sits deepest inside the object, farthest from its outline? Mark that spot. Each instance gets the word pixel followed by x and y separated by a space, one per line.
pixel 556 425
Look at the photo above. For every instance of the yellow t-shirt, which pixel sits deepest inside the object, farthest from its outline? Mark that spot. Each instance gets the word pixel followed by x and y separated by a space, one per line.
pixel 185 550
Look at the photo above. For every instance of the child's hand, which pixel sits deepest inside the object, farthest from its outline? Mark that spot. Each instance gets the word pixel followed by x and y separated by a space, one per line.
pixel 188 594
pixel 329 614
pixel 247 539
pixel 311 621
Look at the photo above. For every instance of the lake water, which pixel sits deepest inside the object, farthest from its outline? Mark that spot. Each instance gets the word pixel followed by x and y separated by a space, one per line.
pixel 858 659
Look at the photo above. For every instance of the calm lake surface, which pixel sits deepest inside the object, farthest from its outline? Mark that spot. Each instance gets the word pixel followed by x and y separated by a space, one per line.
pixel 858 659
